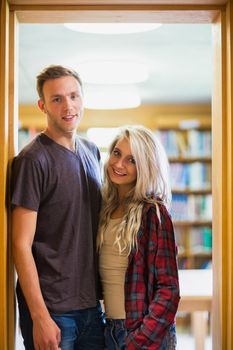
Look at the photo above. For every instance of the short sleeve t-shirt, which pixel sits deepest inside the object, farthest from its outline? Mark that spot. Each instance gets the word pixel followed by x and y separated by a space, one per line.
pixel 63 187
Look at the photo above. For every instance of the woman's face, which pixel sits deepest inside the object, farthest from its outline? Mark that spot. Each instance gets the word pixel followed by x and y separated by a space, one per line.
pixel 121 166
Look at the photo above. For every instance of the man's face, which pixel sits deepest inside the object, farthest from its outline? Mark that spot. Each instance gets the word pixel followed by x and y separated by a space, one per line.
pixel 63 104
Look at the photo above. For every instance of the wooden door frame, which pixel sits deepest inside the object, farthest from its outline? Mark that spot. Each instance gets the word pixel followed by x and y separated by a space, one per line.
pixel 220 13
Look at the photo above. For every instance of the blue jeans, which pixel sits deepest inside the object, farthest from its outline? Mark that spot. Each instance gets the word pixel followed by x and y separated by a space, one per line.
pixel 115 334
pixel 80 330
pixel 170 342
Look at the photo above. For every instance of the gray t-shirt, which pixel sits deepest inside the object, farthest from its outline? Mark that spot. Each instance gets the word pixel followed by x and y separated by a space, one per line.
pixel 64 188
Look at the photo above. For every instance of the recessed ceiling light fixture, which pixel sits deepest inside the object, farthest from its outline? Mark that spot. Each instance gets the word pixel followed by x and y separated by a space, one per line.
pixel 112 72
pixel 112 28
pixel 111 97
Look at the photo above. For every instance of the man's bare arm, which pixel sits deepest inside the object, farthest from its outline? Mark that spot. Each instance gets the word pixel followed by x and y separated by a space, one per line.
pixel 46 334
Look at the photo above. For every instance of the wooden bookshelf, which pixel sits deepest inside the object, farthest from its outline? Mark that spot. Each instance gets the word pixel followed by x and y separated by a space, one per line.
pixel 189 152
pixel 189 160
pixel 190 191
pixel 192 223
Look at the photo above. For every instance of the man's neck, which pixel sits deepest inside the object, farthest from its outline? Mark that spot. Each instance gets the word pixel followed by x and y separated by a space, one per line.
pixel 67 141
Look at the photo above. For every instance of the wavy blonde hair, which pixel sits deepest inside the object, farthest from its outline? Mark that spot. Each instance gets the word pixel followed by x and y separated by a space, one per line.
pixel 152 185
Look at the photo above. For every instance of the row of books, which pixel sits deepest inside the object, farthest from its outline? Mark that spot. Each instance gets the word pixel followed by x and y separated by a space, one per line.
pixel 186 143
pixel 191 207
pixel 196 175
pixel 197 240
pixel 201 240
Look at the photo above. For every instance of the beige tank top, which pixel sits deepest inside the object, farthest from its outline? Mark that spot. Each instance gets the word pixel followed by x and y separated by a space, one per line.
pixel 112 267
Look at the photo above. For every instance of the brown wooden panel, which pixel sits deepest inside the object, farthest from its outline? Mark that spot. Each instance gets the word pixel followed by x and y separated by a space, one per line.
pixel 116 13
pixel 4 15
pixel 121 2
pixel 222 133
pixel 192 304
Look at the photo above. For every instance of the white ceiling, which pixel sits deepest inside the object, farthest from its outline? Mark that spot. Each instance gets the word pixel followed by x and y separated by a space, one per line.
pixel 179 58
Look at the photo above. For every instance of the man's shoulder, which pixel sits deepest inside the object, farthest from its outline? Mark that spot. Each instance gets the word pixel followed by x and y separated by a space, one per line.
pixel 30 149
pixel 34 151
pixel 88 146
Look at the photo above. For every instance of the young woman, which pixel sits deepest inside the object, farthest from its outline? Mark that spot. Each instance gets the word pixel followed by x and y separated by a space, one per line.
pixel 137 250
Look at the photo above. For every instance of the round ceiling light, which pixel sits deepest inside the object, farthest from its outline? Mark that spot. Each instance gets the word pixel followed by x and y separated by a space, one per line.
pixel 112 28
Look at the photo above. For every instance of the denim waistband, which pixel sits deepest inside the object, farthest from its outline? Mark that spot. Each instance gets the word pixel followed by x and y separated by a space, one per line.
pixel 115 322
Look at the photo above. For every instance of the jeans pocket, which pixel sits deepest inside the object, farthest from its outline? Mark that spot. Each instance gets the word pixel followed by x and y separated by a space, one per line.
pixel 67 326
pixel 170 340
pixel 115 334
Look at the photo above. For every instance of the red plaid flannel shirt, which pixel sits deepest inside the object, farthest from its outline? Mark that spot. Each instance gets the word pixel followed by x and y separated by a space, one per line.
pixel 152 286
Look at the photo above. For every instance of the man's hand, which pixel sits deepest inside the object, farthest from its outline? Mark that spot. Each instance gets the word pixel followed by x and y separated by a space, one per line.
pixel 46 334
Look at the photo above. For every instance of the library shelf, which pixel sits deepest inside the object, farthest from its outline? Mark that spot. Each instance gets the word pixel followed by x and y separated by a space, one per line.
pixel 188 223
pixel 189 160
pixel 189 154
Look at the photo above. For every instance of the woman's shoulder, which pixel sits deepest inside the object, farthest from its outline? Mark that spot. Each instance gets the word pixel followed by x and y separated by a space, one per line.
pixel 156 215
pixel 156 209
pixel 154 205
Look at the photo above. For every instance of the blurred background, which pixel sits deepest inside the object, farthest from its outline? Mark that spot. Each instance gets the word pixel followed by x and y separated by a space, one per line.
pixel 156 75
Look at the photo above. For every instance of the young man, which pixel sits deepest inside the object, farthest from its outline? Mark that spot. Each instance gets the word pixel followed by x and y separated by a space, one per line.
pixel 56 200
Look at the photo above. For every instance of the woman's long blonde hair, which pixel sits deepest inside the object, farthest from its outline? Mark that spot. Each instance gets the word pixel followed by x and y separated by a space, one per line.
pixel 152 185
